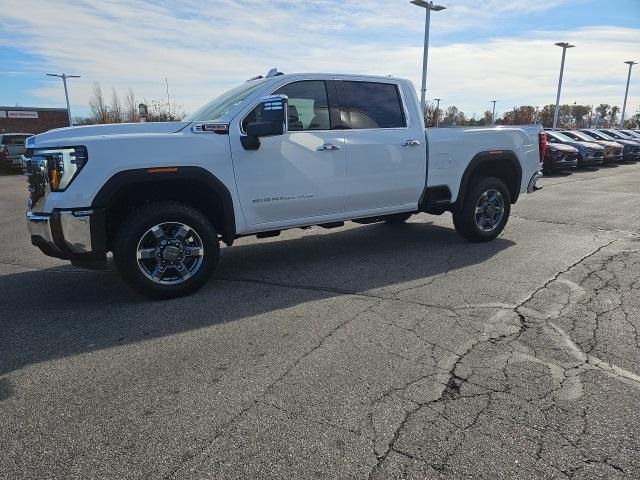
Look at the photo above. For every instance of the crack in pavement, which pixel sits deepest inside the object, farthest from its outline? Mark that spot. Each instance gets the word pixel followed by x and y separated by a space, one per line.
pixel 451 391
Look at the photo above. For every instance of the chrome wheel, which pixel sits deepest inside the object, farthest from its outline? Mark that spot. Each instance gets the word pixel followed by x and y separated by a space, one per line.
pixel 489 210
pixel 170 253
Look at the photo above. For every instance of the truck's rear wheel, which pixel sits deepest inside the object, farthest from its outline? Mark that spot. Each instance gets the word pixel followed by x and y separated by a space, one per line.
pixel 166 250
pixel 485 210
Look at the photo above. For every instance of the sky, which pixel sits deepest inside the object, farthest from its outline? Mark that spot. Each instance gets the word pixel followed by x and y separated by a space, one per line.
pixel 479 50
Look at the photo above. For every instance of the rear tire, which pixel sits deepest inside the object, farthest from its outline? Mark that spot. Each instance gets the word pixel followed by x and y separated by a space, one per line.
pixel 398 218
pixel 166 250
pixel 485 210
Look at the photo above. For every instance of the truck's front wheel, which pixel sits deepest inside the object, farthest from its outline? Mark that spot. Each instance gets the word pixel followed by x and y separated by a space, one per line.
pixel 166 250
pixel 484 211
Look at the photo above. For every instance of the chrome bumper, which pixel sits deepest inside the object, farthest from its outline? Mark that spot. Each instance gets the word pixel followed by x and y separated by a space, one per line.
pixel 69 234
pixel 532 187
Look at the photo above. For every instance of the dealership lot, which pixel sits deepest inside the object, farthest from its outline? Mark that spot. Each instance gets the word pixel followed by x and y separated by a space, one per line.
pixel 365 351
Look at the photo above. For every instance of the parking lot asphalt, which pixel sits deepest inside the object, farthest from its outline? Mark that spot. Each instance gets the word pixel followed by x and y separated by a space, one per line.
pixel 371 351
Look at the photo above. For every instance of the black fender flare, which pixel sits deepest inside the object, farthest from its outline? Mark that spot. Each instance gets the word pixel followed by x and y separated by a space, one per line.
pixel 128 178
pixel 490 156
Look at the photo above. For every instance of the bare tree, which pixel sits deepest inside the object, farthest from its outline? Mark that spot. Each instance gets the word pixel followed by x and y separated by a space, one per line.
pixel 159 111
pixel 130 107
pixel 99 109
pixel 115 112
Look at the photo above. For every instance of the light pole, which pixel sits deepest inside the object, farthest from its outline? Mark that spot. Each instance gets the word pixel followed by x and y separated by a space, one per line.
pixel 631 63
pixel 564 46
pixel 428 6
pixel 64 77
pixel 437 110
pixel 493 114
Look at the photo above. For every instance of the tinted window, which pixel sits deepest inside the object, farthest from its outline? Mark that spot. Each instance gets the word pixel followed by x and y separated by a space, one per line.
pixel 308 106
pixel 370 105
pixel 13 139
pixel 598 135
pixel 559 137
pixel 580 136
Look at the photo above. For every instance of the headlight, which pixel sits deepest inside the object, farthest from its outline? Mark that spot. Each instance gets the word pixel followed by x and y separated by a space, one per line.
pixel 59 165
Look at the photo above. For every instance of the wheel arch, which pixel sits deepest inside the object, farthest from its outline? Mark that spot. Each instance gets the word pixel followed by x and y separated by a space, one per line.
pixel 193 186
pixel 502 164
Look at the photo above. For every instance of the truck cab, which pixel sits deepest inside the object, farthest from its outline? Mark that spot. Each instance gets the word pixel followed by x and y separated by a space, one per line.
pixel 278 152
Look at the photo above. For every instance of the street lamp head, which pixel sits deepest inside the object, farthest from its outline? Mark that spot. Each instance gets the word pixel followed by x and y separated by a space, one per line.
pixel 631 62
pixel 564 45
pixel 428 5
pixel 64 75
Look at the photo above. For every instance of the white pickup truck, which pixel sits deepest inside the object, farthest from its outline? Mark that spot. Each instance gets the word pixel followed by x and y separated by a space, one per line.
pixel 274 153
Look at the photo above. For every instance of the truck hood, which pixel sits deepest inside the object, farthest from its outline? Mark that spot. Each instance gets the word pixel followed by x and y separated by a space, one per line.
pixel 71 134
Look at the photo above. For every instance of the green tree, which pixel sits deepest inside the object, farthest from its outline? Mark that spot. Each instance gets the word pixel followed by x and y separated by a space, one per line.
pixel 430 114
pixel 487 116
pixel 613 115
pixel 633 121
pixel 545 115
pixel 579 114
pixel 453 116
pixel 602 110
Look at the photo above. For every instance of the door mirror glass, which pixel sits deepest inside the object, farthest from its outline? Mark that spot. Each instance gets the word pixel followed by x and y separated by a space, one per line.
pixel 271 121
pixel 272 117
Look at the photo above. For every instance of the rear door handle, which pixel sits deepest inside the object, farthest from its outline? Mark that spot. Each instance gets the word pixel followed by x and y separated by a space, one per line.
pixel 411 143
pixel 327 146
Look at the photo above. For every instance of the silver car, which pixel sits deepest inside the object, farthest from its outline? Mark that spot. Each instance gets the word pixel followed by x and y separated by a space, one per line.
pixel 11 150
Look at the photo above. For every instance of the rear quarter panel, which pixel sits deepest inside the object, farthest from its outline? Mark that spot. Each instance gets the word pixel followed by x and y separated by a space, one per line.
pixel 452 149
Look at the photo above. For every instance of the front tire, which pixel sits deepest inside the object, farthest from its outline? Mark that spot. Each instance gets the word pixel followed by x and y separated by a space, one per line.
pixel 485 210
pixel 166 250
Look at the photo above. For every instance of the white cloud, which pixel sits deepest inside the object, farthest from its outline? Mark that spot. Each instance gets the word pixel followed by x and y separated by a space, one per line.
pixel 206 47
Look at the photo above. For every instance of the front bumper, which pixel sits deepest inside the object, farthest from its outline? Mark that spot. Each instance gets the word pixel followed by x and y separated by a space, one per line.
pixel 590 161
pixel 77 235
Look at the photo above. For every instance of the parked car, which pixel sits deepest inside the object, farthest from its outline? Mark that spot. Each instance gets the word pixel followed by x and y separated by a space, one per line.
pixel 612 151
pixel 629 147
pixel 589 153
pixel 160 196
pixel 631 150
pixel 11 150
pixel 559 157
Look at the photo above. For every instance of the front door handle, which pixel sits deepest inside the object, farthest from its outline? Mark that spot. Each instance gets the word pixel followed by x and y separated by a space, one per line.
pixel 327 146
pixel 411 143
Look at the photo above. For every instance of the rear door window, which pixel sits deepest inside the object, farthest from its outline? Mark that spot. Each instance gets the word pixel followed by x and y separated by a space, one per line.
pixel 370 105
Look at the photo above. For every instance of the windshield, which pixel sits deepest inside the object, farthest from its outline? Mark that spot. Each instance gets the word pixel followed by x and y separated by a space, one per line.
pixel 560 136
pixel 581 136
pixel 616 135
pixel 600 136
pixel 221 105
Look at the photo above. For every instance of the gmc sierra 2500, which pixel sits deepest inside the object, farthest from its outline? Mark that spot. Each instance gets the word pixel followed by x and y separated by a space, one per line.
pixel 274 153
